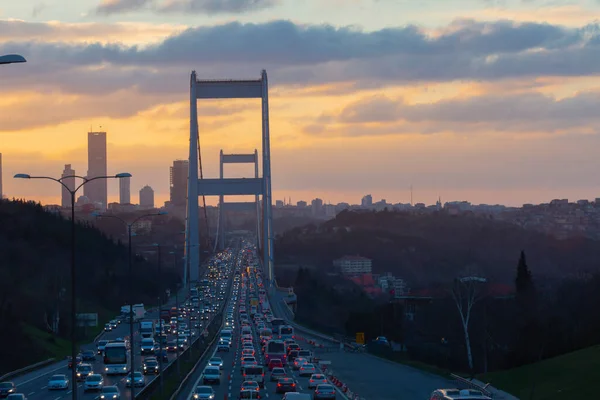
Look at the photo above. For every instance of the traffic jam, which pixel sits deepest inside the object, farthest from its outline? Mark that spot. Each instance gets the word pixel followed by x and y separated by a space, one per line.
pixel 258 355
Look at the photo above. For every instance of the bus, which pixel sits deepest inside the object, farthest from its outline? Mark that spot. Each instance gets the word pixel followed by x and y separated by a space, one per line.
pixel 274 350
pixel 276 323
pixel 116 358
pixel 286 332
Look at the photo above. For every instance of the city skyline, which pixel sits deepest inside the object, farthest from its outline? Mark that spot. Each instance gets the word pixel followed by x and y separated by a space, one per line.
pixel 438 96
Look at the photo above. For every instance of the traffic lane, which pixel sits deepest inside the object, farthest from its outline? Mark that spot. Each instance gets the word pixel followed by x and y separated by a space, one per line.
pixel 373 377
pixel 35 383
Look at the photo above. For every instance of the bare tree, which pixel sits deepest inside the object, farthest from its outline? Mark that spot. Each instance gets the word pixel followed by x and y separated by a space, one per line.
pixel 467 291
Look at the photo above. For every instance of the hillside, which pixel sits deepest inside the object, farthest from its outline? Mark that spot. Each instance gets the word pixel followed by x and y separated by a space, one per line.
pixel 35 280
pixel 433 248
pixel 569 376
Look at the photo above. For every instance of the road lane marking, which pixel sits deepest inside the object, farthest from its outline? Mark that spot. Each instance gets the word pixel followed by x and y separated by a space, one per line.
pixel 29 394
pixel 58 398
pixel 39 376
pixel 43 387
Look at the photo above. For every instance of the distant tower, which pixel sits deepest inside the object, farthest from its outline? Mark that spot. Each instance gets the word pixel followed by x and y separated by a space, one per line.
pixel 146 197
pixel 125 190
pixel 1 176
pixel 97 191
pixel 178 183
pixel 70 183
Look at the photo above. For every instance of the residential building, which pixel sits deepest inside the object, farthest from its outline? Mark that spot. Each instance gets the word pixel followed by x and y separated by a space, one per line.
pixel 178 183
pixel 146 197
pixel 353 265
pixel 70 183
pixel 367 201
pixel 125 190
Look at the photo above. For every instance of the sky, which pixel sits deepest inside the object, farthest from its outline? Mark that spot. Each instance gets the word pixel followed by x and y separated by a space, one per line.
pixel 488 101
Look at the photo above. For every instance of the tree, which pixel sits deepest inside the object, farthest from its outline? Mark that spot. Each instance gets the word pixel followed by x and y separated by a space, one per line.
pixel 525 289
pixel 466 292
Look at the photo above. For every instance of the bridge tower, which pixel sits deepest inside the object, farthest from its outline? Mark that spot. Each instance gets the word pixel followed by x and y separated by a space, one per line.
pixel 238 206
pixel 257 186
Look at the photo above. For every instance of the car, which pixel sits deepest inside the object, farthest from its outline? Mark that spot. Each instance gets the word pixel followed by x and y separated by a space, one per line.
pixel 247 361
pixel 83 370
pixel 307 370
pixel 7 388
pixel 298 362
pixel 100 346
pixel 204 393
pixel 77 360
pixel 285 385
pixel 58 382
pixel 16 396
pixel 278 373
pixel 93 382
pixel 250 385
pixel 324 391
pixel 88 355
pixel 150 366
pixel 275 363
pixel 110 393
pixel 216 362
pixel 211 375
pixel 316 379
pixel 171 346
pixel 138 380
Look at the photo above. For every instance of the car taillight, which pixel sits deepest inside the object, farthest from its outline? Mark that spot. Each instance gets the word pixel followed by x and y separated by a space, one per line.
pixel 279 384
pixel 293 384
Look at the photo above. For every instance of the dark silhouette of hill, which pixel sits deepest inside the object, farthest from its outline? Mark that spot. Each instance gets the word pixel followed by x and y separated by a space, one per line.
pixel 35 259
pixel 433 248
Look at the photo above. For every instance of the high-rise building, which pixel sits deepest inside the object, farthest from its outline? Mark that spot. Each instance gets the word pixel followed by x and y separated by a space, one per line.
pixel 178 182
pixel 97 191
pixel 70 183
pixel 367 201
pixel 1 177
pixel 125 190
pixel 146 197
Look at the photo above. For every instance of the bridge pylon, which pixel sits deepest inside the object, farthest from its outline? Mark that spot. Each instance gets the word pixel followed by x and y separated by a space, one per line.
pixel 257 186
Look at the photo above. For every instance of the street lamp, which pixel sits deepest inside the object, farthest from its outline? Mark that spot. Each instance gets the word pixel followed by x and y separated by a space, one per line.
pixel 12 59
pixel 131 282
pixel 73 192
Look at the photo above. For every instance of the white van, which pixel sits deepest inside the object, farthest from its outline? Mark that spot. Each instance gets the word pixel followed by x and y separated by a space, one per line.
pixel 254 373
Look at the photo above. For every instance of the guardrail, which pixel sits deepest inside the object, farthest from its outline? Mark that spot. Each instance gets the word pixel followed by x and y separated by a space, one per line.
pixel 28 368
pixel 472 385
pixel 149 390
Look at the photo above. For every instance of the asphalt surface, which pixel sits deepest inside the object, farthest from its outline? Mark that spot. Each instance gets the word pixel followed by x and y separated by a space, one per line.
pixel 35 384
pixel 368 376
pixel 231 376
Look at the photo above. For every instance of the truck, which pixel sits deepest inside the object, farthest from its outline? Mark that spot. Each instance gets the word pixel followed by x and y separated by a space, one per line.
pixel 147 329
pixel 138 312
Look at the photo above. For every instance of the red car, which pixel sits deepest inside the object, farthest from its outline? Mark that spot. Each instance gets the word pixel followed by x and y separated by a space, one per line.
pixel 275 363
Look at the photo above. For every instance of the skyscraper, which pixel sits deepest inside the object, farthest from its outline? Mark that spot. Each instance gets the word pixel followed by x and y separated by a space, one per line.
pixel 125 190
pixel 1 177
pixel 97 191
pixel 146 197
pixel 70 183
pixel 178 182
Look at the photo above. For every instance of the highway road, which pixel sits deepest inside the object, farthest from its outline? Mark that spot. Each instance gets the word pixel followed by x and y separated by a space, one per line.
pixel 373 377
pixel 231 376
pixel 34 384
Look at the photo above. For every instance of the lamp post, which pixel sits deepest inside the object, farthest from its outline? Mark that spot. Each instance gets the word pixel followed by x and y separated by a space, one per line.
pixel 160 358
pixel 12 59
pixel 73 192
pixel 131 286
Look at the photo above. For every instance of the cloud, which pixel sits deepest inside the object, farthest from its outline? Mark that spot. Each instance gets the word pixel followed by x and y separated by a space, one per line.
pixel 298 55
pixel 216 6
pixel 38 9
pixel 108 7
pixel 209 7
pixel 57 109
pixel 524 112
pixel 70 33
